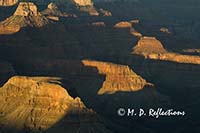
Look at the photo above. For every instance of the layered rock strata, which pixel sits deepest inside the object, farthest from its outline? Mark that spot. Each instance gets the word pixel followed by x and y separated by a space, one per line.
pixel 26 14
pixel 151 48
pixel 40 103
pixel 8 2
pixel 119 78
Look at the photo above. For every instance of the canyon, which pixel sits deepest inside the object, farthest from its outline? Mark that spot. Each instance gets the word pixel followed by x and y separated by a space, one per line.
pixel 70 68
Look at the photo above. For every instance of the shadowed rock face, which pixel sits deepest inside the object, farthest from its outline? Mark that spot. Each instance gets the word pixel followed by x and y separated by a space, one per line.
pixel 53 13
pixel 8 2
pixel 53 10
pixel 6 71
pixel 38 103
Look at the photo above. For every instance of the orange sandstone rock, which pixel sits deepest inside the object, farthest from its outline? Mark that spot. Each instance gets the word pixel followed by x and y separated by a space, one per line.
pixel 149 45
pixel 118 78
pixel 8 2
pixel 151 48
pixel 9 29
pixel 123 25
pixel 38 103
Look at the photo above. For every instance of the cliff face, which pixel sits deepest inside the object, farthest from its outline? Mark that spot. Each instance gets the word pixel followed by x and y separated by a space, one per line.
pixel 9 29
pixel 41 104
pixel 118 78
pixel 151 48
pixel 84 2
pixel 26 14
pixel 8 2
pixel 176 58
pixel 26 9
pixel 78 2
pixel 53 13
pixel 38 103
pixel 52 10
pixel 148 45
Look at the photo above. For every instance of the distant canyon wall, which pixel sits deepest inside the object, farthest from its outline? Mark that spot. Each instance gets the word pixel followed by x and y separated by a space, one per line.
pixel 77 2
pixel 8 2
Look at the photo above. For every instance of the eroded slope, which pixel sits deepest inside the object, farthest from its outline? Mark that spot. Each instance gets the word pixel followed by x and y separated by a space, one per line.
pixel 40 103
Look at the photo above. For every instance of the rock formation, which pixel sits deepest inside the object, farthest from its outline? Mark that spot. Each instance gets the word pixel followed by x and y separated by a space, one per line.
pixel 8 2
pixel 175 57
pixel 52 10
pixel 148 45
pixel 40 103
pixel 26 14
pixel 119 86
pixel 151 48
pixel 53 13
pixel 83 2
pixel 135 33
pixel 26 9
pixel 89 10
pixel 123 25
pixel 105 12
pixel 165 30
pixel 119 78
pixel 9 29
pixel 93 12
